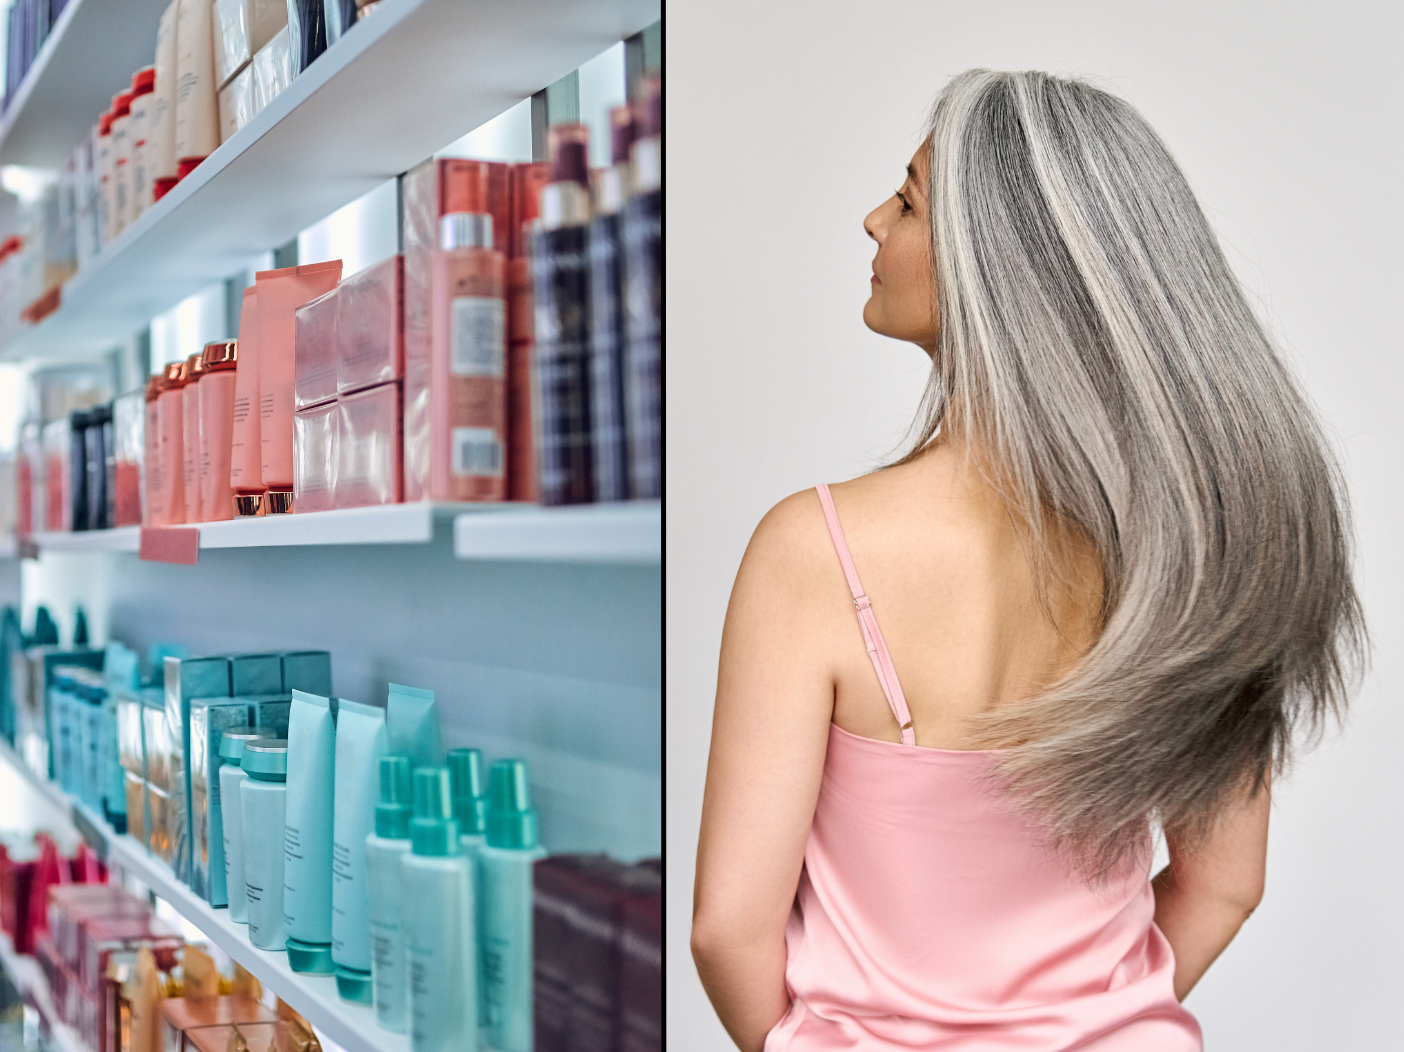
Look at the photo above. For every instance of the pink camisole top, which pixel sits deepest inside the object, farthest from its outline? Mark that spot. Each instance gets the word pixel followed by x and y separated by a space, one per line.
pixel 929 916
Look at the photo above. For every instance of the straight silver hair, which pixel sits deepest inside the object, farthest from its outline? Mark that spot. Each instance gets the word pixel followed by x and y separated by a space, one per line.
pixel 1100 357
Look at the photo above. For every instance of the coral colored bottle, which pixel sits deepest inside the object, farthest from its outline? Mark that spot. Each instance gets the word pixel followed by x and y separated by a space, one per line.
pixel 152 480
pixel 468 433
pixel 171 511
pixel 190 426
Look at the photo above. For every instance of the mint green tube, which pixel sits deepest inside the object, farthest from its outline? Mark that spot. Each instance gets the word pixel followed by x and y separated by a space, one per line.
pixel 360 741
pixel 412 724
pixel 468 783
pixel 505 864
pixel 307 864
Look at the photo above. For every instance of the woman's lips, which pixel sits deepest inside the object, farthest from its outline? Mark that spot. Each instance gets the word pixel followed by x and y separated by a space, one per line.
pixel 877 280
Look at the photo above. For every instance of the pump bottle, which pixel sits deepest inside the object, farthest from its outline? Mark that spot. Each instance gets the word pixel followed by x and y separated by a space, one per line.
pixel 506 864
pixel 385 851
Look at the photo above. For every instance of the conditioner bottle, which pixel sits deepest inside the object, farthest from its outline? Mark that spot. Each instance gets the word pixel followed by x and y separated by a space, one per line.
pixel 385 851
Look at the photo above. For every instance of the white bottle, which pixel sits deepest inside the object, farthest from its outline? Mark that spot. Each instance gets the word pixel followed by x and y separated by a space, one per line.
pixel 470 809
pixel 263 797
pixel 385 852
pixel 143 95
pixel 231 777
pixel 439 924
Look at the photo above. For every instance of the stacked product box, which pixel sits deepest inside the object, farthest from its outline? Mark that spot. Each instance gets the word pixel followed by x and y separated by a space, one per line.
pixel 29 867
pixel 597 936
pixel 349 361
pixel 91 927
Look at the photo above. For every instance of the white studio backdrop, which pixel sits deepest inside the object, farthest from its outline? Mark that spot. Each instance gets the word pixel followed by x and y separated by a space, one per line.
pixel 789 122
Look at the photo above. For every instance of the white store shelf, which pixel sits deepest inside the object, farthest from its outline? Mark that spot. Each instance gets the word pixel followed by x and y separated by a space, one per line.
pixel 613 533
pixel 89 56
pixel 351 1026
pixel 411 78
pixel 602 533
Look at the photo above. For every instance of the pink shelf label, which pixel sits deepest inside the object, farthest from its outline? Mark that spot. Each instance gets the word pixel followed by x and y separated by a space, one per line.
pixel 175 544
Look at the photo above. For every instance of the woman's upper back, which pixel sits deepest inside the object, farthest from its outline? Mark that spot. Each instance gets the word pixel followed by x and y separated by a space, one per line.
pixel 952 586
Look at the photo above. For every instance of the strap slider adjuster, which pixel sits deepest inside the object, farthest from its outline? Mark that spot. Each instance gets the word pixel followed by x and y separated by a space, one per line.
pixel 861 602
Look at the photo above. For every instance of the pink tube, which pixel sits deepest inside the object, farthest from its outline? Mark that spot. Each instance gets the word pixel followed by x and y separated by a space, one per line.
pixel 280 293
pixel 245 452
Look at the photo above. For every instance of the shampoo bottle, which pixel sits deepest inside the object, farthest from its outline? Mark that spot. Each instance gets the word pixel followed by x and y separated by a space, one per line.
pixel 172 447
pixel 470 810
pixel 385 850
pixel 221 360
pixel 307 867
pixel 439 923
pixel 231 777
pixel 264 799
pixel 506 865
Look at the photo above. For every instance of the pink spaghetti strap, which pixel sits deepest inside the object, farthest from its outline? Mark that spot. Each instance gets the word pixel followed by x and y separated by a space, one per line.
pixel 867 621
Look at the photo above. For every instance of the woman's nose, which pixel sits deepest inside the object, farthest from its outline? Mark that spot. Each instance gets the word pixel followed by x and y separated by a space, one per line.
pixel 874 226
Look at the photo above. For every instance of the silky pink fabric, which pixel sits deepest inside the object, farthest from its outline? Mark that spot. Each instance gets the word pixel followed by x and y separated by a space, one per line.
pixel 929 916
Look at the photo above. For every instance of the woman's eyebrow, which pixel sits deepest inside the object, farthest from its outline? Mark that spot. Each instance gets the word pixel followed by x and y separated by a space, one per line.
pixel 915 180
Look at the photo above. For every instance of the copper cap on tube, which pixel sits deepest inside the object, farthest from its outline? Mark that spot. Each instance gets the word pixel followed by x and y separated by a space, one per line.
pixel 194 367
pixel 221 354
pixel 174 376
pixel 153 388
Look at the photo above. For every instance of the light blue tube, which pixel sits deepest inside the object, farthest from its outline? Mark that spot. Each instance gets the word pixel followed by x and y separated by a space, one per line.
pixel 360 741
pixel 412 724
pixel 307 865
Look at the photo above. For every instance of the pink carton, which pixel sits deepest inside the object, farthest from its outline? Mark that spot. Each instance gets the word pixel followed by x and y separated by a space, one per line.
pixel 370 335
pixel 370 442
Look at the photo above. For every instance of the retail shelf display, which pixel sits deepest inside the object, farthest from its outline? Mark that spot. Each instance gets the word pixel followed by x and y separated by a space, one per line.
pixel 29 981
pixel 416 75
pixel 603 533
pixel 609 533
pixel 90 53
pixel 351 1026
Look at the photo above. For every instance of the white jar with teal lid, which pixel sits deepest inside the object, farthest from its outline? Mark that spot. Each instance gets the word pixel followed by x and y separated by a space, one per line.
pixel 263 798
pixel 505 863
pixel 231 777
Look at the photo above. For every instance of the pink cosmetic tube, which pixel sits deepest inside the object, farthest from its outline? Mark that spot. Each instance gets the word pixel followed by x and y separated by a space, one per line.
pixel 280 293
pixel 172 452
pixel 370 332
pixel 190 425
pixel 315 441
pixel 369 457
pixel 245 450
pixel 314 348
pixel 217 429
pixel 152 497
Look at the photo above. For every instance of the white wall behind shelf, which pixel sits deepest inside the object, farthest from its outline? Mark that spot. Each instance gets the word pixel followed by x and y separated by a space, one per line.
pixel 559 663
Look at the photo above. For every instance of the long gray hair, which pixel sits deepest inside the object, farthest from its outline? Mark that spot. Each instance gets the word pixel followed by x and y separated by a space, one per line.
pixel 1098 353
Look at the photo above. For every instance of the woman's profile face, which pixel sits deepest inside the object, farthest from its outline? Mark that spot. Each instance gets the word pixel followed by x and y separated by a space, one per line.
pixel 903 303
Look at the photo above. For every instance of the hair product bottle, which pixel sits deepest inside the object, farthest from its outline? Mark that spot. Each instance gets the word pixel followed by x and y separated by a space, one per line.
pixel 160 135
pixel 439 921
pixel 385 850
pixel 469 410
pixel 360 742
pixel 104 168
pixel 143 94
pixel 121 161
pixel 231 778
pixel 217 387
pixel 561 273
pixel 307 869
pixel 470 810
pixel 263 797
pixel 610 454
pixel 196 106
pixel 643 298
pixel 506 866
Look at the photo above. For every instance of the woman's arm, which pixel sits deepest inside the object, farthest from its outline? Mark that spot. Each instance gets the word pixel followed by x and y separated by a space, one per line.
pixel 1203 898
pixel 769 738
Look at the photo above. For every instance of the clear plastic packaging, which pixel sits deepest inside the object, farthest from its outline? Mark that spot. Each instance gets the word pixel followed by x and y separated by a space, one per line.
pixel 314 445
pixel 273 69
pixel 370 333
pixel 369 441
pixel 58 488
pixel 315 343
pixel 237 103
pixel 129 450
pixel 241 28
